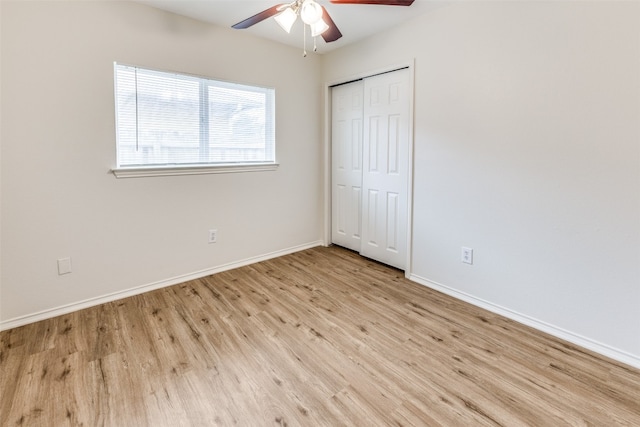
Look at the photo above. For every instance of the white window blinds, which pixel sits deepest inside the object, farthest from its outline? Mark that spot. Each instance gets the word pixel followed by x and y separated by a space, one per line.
pixel 169 119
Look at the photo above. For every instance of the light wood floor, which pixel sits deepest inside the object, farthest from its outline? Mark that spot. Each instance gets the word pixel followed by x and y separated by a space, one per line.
pixel 318 338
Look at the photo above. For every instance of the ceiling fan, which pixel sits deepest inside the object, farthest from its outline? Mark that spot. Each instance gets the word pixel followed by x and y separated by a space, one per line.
pixel 312 14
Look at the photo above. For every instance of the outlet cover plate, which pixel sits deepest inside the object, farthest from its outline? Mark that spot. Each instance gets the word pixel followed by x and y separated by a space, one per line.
pixel 64 266
pixel 467 255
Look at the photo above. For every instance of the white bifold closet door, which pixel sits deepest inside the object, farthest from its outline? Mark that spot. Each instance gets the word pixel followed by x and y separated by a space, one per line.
pixel 346 140
pixel 371 165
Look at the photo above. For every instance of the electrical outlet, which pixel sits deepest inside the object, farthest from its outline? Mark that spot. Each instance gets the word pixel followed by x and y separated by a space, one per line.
pixel 467 255
pixel 64 266
pixel 213 236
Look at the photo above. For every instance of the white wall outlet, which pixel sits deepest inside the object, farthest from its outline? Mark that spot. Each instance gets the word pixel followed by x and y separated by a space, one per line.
pixel 213 236
pixel 467 255
pixel 64 266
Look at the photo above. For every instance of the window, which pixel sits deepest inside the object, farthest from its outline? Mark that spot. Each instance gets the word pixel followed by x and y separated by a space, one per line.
pixel 175 121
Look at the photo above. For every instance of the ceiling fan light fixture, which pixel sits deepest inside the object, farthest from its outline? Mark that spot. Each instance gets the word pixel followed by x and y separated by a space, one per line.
pixel 318 28
pixel 310 12
pixel 286 19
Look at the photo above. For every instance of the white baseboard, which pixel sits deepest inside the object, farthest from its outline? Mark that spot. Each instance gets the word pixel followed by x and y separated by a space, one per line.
pixel 69 308
pixel 571 337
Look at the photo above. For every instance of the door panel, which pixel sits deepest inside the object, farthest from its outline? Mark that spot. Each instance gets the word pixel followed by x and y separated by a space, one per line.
pixel 393 159
pixel 385 168
pixel 341 202
pixel 347 160
pixel 393 207
pixel 372 218
pixel 372 143
pixel 356 219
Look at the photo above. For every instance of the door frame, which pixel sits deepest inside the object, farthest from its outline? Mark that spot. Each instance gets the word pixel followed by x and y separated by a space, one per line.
pixel 410 65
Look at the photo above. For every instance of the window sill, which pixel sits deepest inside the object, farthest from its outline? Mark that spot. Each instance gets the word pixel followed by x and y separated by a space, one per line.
pixel 143 171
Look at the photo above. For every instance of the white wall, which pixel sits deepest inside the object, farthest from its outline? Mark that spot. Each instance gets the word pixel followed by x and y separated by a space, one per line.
pixel 527 149
pixel 58 144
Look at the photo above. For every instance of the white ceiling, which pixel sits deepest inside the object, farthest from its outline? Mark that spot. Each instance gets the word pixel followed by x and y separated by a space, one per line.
pixel 354 21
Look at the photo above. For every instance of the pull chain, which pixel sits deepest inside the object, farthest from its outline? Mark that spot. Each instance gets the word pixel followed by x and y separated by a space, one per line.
pixel 304 40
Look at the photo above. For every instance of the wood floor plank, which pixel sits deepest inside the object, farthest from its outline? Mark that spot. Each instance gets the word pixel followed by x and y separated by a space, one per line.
pixel 319 337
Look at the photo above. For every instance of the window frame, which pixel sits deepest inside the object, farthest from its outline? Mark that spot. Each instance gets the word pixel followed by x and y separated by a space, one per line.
pixel 173 169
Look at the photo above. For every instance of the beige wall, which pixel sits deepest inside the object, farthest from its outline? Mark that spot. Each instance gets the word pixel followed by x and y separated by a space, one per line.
pixel 527 149
pixel 58 144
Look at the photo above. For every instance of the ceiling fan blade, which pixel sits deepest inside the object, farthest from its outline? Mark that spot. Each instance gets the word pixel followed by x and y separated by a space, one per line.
pixel 258 17
pixel 380 2
pixel 333 33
